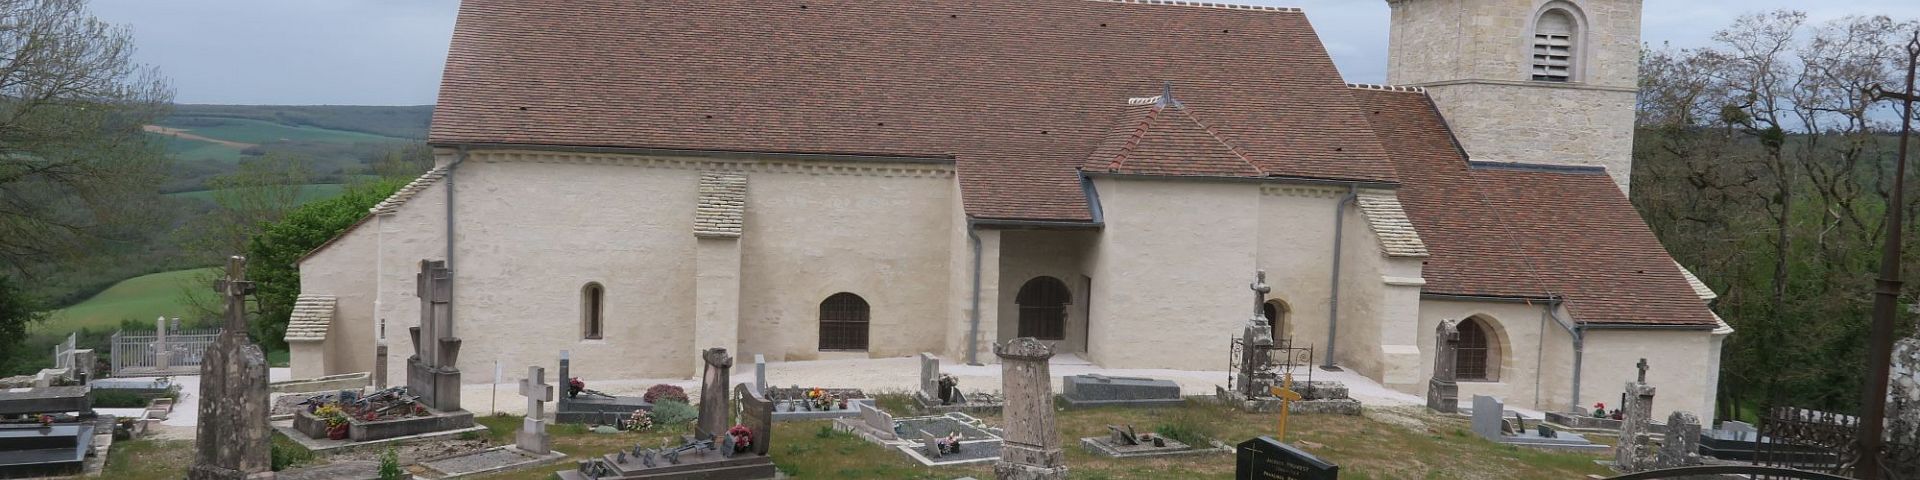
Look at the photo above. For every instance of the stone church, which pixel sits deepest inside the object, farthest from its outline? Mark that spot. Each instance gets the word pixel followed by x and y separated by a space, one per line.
pixel 635 181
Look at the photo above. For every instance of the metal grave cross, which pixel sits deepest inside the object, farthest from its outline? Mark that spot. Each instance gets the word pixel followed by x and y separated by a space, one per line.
pixel 1287 396
pixel 236 288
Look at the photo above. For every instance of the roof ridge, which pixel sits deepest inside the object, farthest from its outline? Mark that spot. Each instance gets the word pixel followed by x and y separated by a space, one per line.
pixel 393 202
pixel 1139 133
pixel 1215 134
pixel 1229 6
pixel 1387 88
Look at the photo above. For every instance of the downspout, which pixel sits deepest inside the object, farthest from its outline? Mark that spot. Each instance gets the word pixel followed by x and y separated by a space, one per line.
pixel 1333 300
pixel 459 157
pixel 1579 348
pixel 973 320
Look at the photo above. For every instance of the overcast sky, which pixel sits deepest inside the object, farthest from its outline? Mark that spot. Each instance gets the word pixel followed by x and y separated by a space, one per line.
pixel 389 52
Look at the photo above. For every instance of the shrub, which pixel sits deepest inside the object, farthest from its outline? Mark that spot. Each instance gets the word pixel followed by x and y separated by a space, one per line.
pixel 284 454
pixel 390 465
pixel 657 393
pixel 673 412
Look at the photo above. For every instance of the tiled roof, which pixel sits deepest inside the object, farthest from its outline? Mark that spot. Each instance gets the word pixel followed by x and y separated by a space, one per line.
pixel 406 192
pixel 1390 224
pixel 1019 93
pixel 312 316
pixel 1156 136
pixel 1527 232
pixel 721 211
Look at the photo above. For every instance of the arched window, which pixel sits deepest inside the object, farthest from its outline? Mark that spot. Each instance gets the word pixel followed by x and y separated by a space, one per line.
pixel 1277 313
pixel 1043 308
pixel 843 322
pixel 1477 358
pixel 592 309
pixel 1555 35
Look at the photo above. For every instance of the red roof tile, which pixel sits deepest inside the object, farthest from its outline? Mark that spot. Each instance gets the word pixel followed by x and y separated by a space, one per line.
pixel 1019 92
pixel 1516 231
pixel 1161 138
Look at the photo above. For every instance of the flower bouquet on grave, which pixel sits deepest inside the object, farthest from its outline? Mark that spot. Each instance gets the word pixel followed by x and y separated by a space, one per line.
pixel 336 420
pixel 1600 410
pixel 574 386
pixel 742 438
pixel 640 420
pixel 819 399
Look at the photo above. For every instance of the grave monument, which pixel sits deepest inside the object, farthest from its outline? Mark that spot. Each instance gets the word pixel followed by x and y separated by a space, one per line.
pixel 1100 390
pixel 1443 395
pixel 1031 447
pixel 712 453
pixel 589 406
pixel 431 371
pixel 233 433
pixel 1489 422
pixel 533 431
pixel 715 416
pixel 1682 445
pixel 1256 338
pixel 1636 450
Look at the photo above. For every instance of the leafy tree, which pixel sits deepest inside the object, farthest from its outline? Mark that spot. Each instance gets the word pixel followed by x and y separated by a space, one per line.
pixel 74 160
pixel 17 312
pixel 271 255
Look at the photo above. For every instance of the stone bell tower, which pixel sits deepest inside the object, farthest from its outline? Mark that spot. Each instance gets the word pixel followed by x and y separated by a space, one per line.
pixel 1529 81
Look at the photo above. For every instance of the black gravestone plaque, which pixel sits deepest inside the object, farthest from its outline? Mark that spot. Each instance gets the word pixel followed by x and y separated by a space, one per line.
pixel 1267 459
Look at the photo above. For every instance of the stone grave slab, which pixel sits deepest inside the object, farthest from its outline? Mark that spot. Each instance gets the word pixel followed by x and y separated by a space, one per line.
pixel 1317 397
pixel 27 401
pixel 979 443
pixel 1266 458
pixel 874 424
pixel 503 458
pixel 1584 421
pixel 1100 390
pixel 1489 419
pixel 1122 441
pixel 32 450
pixel 790 403
pixel 592 407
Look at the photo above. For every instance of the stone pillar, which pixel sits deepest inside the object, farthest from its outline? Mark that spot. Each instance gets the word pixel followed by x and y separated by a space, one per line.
pixel 431 371
pixel 715 416
pixel 233 436
pixel 162 354
pixel 533 431
pixel 1443 395
pixel 716 288
pixel 1031 449
pixel 1636 449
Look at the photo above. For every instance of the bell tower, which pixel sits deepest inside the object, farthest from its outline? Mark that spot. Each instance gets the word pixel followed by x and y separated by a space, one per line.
pixel 1530 81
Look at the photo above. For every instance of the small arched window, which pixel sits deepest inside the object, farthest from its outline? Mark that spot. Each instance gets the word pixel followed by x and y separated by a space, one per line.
pixel 1555 35
pixel 843 322
pixel 1277 313
pixel 592 311
pixel 1476 358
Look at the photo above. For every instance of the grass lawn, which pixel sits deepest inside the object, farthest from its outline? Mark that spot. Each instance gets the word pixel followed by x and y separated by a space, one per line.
pixel 1442 448
pixel 144 297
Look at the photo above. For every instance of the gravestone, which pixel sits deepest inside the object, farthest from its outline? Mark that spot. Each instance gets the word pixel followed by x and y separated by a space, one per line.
pixel 1738 430
pixel 929 377
pixel 760 373
pixel 431 371
pixel 1101 390
pixel 1266 458
pixel 1486 417
pixel 1255 339
pixel 533 431
pixel 714 413
pixel 232 435
pixel 1636 452
pixel 1682 445
pixel 756 413
pixel 1443 394
pixel 1031 447
pixel 879 421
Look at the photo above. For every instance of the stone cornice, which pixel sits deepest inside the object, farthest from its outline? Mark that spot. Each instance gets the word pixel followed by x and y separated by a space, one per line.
pixel 1308 191
pixel 1521 83
pixel 871 168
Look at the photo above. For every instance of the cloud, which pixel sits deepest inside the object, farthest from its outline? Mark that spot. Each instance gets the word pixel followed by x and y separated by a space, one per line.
pixel 390 52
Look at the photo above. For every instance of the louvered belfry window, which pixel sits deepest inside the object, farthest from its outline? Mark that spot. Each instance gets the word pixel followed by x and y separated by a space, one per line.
pixel 843 322
pixel 1553 47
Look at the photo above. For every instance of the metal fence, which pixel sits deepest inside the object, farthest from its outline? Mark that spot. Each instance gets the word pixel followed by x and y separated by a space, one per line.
pixel 160 351
pixel 63 352
pixel 1827 442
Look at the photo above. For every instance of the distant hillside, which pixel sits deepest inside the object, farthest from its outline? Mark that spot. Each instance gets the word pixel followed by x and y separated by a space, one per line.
pixel 399 122
pixel 339 142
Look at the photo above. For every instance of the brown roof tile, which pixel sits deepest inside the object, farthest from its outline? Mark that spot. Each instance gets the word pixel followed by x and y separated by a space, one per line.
pixel 1019 92
pixel 1527 231
pixel 1157 137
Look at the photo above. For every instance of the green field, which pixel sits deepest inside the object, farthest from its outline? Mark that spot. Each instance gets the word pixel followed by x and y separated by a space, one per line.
pixel 144 297
pixel 308 193
pixel 258 132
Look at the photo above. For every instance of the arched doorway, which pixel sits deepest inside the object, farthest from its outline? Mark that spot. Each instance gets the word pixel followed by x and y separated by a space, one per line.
pixel 1478 357
pixel 843 322
pixel 1043 308
pixel 1278 315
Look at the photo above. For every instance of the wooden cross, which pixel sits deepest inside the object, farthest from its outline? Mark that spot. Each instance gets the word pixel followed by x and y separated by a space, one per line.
pixel 1643 370
pixel 1287 397
pixel 236 288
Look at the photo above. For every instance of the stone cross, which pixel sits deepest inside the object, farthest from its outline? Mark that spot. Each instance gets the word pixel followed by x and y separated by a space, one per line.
pixel 533 431
pixel 1260 290
pixel 1254 340
pixel 1031 448
pixel 1636 451
pixel 1443 394
pixel 715 416
pixel 231 441
pixel 1642 366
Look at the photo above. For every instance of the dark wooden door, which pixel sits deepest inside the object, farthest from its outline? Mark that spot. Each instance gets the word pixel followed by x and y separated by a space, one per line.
pixel 1043 308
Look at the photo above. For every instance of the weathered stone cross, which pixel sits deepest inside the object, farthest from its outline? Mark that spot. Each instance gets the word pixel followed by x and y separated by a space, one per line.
pixel 1643 370
pixel 1260 290
pixel 236 288
pixel 533 431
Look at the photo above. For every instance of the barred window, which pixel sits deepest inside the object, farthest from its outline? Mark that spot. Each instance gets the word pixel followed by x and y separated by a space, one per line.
pixel 1473 359
pixel 844 322
pixel 1043 308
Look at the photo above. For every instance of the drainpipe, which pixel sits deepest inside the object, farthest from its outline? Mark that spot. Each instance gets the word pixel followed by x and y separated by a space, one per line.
pixel 973 322
pixel 1579 348
pixel 458 158
pixel 1333 300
